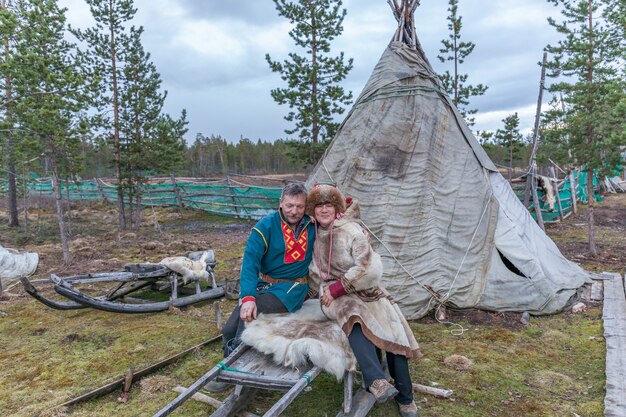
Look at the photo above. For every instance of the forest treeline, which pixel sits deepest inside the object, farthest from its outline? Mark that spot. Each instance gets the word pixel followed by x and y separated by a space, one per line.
pixel 205 157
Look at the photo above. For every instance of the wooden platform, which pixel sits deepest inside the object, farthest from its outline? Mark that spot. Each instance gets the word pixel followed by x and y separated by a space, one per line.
pixel 614 316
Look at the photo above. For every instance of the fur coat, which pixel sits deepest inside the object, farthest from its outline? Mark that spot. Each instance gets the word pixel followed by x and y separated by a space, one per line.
pixel 359 268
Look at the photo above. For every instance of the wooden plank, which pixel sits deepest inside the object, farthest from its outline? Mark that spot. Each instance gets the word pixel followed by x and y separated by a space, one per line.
pixel 259 363
pixel 257 381
pixel 200 397
pixel 108 388
pixel 348 382
pixel 614 316
pixel 291 395
pixel 197 386
pixel 362 403
pixel 596 290
pixel 235 402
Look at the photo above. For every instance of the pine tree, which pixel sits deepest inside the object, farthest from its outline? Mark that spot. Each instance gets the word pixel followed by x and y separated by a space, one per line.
pixel 8 30
pixel 586 65
pixel 313 92
pixel 510 138
pixel 140 106
pixel 53 94
pixel 455 50
pixel 107 41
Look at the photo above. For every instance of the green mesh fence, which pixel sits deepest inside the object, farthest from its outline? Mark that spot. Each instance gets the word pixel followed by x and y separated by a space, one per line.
pixel 551 214
pixel 254 202
pixel 241 201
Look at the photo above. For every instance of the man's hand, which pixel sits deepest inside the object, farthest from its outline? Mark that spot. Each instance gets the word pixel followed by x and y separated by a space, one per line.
pixel 326 298
pixel 247 312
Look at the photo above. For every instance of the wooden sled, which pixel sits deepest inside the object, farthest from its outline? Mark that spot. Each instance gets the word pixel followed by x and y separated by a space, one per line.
pixel 134 278
pixel 249 370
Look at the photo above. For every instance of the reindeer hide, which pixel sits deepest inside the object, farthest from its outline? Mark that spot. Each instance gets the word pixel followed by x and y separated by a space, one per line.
pixel 292 338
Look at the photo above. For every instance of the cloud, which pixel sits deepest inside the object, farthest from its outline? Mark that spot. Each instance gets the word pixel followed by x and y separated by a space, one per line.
pixel 210 55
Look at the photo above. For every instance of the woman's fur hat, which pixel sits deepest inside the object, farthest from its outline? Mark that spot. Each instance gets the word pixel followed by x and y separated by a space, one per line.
pixel 322 194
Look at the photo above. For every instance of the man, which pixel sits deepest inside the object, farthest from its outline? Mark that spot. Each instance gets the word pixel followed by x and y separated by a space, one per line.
pixel 274 272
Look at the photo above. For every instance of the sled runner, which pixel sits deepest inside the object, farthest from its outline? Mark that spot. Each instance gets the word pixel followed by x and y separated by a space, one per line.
pixel 173 278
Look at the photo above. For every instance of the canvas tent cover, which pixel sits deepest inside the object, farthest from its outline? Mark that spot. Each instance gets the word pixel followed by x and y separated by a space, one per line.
pixel 446 223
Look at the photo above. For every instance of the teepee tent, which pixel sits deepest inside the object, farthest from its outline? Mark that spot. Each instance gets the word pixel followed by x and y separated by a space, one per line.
pixel 448 226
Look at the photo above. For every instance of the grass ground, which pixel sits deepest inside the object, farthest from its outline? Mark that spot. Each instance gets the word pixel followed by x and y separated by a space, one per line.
pixel 552 367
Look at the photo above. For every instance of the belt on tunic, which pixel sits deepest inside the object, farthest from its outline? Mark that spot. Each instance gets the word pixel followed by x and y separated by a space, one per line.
pixel 300 280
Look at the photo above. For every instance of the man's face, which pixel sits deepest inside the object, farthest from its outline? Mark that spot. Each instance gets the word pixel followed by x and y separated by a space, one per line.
pixel 293 208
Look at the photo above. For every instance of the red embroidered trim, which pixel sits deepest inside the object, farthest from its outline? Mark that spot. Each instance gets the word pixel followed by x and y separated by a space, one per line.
pixel 295 250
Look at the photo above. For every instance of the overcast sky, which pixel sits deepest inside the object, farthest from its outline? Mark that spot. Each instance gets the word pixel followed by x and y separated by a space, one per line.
pixel 211 56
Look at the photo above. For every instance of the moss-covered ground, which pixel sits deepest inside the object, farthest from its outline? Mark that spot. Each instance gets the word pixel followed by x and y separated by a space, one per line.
pixel 554 366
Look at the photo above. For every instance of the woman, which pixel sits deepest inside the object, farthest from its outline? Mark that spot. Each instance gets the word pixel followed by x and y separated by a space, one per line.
pixel 347 273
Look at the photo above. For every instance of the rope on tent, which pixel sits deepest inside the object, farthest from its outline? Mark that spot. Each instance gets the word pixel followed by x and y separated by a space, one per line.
pixel 425 286
pixel 468 247
pixel 434 294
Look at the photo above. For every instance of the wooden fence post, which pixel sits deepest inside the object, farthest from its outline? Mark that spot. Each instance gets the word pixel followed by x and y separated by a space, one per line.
pixel 99 186
pixel 232 196
pixel 179 197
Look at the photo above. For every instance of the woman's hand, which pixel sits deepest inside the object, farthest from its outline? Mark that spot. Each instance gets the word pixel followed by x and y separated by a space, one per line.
pixel 247 312
pixel 326 298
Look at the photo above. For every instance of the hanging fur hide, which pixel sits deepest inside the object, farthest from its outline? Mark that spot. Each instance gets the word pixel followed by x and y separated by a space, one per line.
pixel 294 338
pixel 549 197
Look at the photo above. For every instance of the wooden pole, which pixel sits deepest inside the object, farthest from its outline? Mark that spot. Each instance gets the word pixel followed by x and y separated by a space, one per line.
pixel 531 160
pixel 555 186
pixel 573 191
pixel 533 190
pixel 99 186
pixel 179 197
pixel 538 111
pixel 437 392
pixel 232 196
pixel 196 386
pixel 136 376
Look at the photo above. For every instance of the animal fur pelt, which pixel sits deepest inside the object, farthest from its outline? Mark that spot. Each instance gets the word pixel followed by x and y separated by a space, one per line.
pixel 190 270
pixel 548 190
pixel 292 338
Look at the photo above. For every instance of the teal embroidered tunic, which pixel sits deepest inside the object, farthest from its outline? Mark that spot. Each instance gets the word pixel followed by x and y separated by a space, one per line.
pixel 267 253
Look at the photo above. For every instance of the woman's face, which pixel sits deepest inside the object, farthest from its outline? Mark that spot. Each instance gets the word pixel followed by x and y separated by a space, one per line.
pixel 325 214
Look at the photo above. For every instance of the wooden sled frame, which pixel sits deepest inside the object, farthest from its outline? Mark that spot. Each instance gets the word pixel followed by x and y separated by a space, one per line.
pixel 138 276
pixel 250 370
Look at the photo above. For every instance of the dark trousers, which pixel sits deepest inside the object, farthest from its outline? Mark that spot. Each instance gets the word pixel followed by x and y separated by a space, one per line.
pixel 368 357
pixel 231 332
